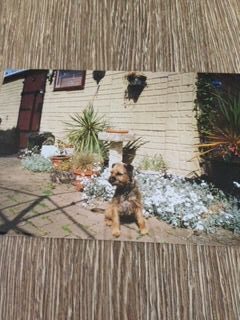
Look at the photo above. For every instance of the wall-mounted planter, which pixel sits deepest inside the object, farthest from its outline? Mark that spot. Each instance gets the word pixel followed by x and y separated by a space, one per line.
pixel 98 75
pixel 135 80
pixel 136 84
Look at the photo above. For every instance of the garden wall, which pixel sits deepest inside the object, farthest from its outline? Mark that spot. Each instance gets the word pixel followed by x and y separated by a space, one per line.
pixel 163 114
pixel 10 98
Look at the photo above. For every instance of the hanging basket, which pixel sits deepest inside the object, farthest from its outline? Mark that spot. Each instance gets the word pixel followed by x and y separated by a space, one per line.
pixel 139 81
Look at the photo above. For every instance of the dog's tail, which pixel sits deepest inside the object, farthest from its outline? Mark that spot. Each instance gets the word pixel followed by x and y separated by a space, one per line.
pixel 99 210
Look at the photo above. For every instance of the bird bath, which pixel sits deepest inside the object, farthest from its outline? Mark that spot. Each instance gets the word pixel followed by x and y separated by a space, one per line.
pixel 116 140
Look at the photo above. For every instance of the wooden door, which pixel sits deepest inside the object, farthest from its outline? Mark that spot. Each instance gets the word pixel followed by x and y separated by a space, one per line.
pixel 31 105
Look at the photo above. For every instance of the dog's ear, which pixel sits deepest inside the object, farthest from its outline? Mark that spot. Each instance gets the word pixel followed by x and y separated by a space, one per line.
pixel 129 168
pixel 113 165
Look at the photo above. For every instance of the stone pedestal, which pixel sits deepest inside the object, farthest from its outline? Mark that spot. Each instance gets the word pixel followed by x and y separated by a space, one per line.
pixel 115 153
pixel 116 144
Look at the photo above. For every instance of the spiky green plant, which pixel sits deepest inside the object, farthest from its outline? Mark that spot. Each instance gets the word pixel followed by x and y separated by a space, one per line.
pixel 83 131
pixel 223 138
pixel 130 149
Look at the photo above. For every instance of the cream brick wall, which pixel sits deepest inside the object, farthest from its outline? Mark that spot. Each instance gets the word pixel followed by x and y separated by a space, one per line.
pixel 10 98
pixel 163 114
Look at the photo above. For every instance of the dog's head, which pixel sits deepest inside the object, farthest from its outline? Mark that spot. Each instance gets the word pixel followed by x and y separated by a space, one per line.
pixel 121 174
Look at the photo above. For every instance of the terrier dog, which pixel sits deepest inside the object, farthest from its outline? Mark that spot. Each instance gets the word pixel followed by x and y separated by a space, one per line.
pixel 126 200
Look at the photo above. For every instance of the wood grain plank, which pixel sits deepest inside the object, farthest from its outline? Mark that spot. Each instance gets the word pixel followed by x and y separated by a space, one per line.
pixel 71 279
pixel 79 279
pixel 174 35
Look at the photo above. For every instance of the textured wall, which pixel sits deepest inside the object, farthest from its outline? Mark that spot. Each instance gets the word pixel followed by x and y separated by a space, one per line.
pixel 163 114
pixel 10 98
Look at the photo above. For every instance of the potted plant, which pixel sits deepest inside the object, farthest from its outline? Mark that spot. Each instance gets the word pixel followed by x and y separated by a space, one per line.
pixel 136 79
pixel 221 146
pixel 62 156
pixel 98 75
pixel 83 132
pixel 86 164
pixel 136 84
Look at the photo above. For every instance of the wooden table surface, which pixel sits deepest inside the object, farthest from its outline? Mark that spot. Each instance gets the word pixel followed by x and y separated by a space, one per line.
pixel 172 35
pixel 81 279
pixel 87 279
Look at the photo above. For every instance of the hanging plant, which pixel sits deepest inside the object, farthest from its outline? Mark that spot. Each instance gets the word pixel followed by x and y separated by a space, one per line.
pixel 98 75
pixel 136 84
pixel 136 79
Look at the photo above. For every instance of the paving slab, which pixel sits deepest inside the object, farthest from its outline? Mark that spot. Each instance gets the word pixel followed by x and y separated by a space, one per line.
pixel 31 204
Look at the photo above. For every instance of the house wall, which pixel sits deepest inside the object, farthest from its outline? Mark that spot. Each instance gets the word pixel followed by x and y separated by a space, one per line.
pixel 10 98
pixel 163 114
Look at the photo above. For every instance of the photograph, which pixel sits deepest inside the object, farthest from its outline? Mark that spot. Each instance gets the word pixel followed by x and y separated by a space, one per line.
pixel 120 155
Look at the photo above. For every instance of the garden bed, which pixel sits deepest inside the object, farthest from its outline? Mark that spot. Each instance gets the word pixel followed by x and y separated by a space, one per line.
pixel 180 202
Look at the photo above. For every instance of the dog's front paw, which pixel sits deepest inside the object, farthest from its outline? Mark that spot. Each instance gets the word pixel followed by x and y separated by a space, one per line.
pixel 144 231
pixel 108 222
pixel 116 233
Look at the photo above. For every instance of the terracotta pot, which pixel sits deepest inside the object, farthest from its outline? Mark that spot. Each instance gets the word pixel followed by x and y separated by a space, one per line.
pixel 78 185
pixel 83 173
pixel 57 160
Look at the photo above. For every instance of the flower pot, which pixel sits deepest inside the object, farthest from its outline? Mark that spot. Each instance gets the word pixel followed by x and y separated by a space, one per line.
pixel 223 173
pixel 137 80
pixel 83 173
pixel 78 185
pixel 57 160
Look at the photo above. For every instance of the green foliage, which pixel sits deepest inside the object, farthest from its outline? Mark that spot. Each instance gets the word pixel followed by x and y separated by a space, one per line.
pixel 83 161
pixel 205 105
pixel 65 165
pixel 83 131
pixel 155 163
pixel 221 131
pixel 130 149
pixel 36 140
pixel 9 140
pixel 37 163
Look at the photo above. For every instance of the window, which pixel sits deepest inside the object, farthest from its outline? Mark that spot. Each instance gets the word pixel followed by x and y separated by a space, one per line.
pixel 69 80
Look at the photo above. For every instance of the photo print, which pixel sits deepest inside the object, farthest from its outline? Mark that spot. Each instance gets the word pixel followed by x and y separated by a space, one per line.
pixel 114 155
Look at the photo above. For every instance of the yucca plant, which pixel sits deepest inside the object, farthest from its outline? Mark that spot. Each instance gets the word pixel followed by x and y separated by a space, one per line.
pixel 83 131
pixel 223 139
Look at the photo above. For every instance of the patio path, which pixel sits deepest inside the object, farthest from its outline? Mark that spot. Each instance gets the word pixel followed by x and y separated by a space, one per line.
pixel 30 204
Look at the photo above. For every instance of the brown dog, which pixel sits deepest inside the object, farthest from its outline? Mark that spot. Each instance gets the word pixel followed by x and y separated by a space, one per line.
pixel 126 200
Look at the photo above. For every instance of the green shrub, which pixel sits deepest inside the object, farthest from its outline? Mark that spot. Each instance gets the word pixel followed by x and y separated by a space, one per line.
pixel 83 160
pixel 155 163
pixel 9 141
pixel 37 163
pixel 217 108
